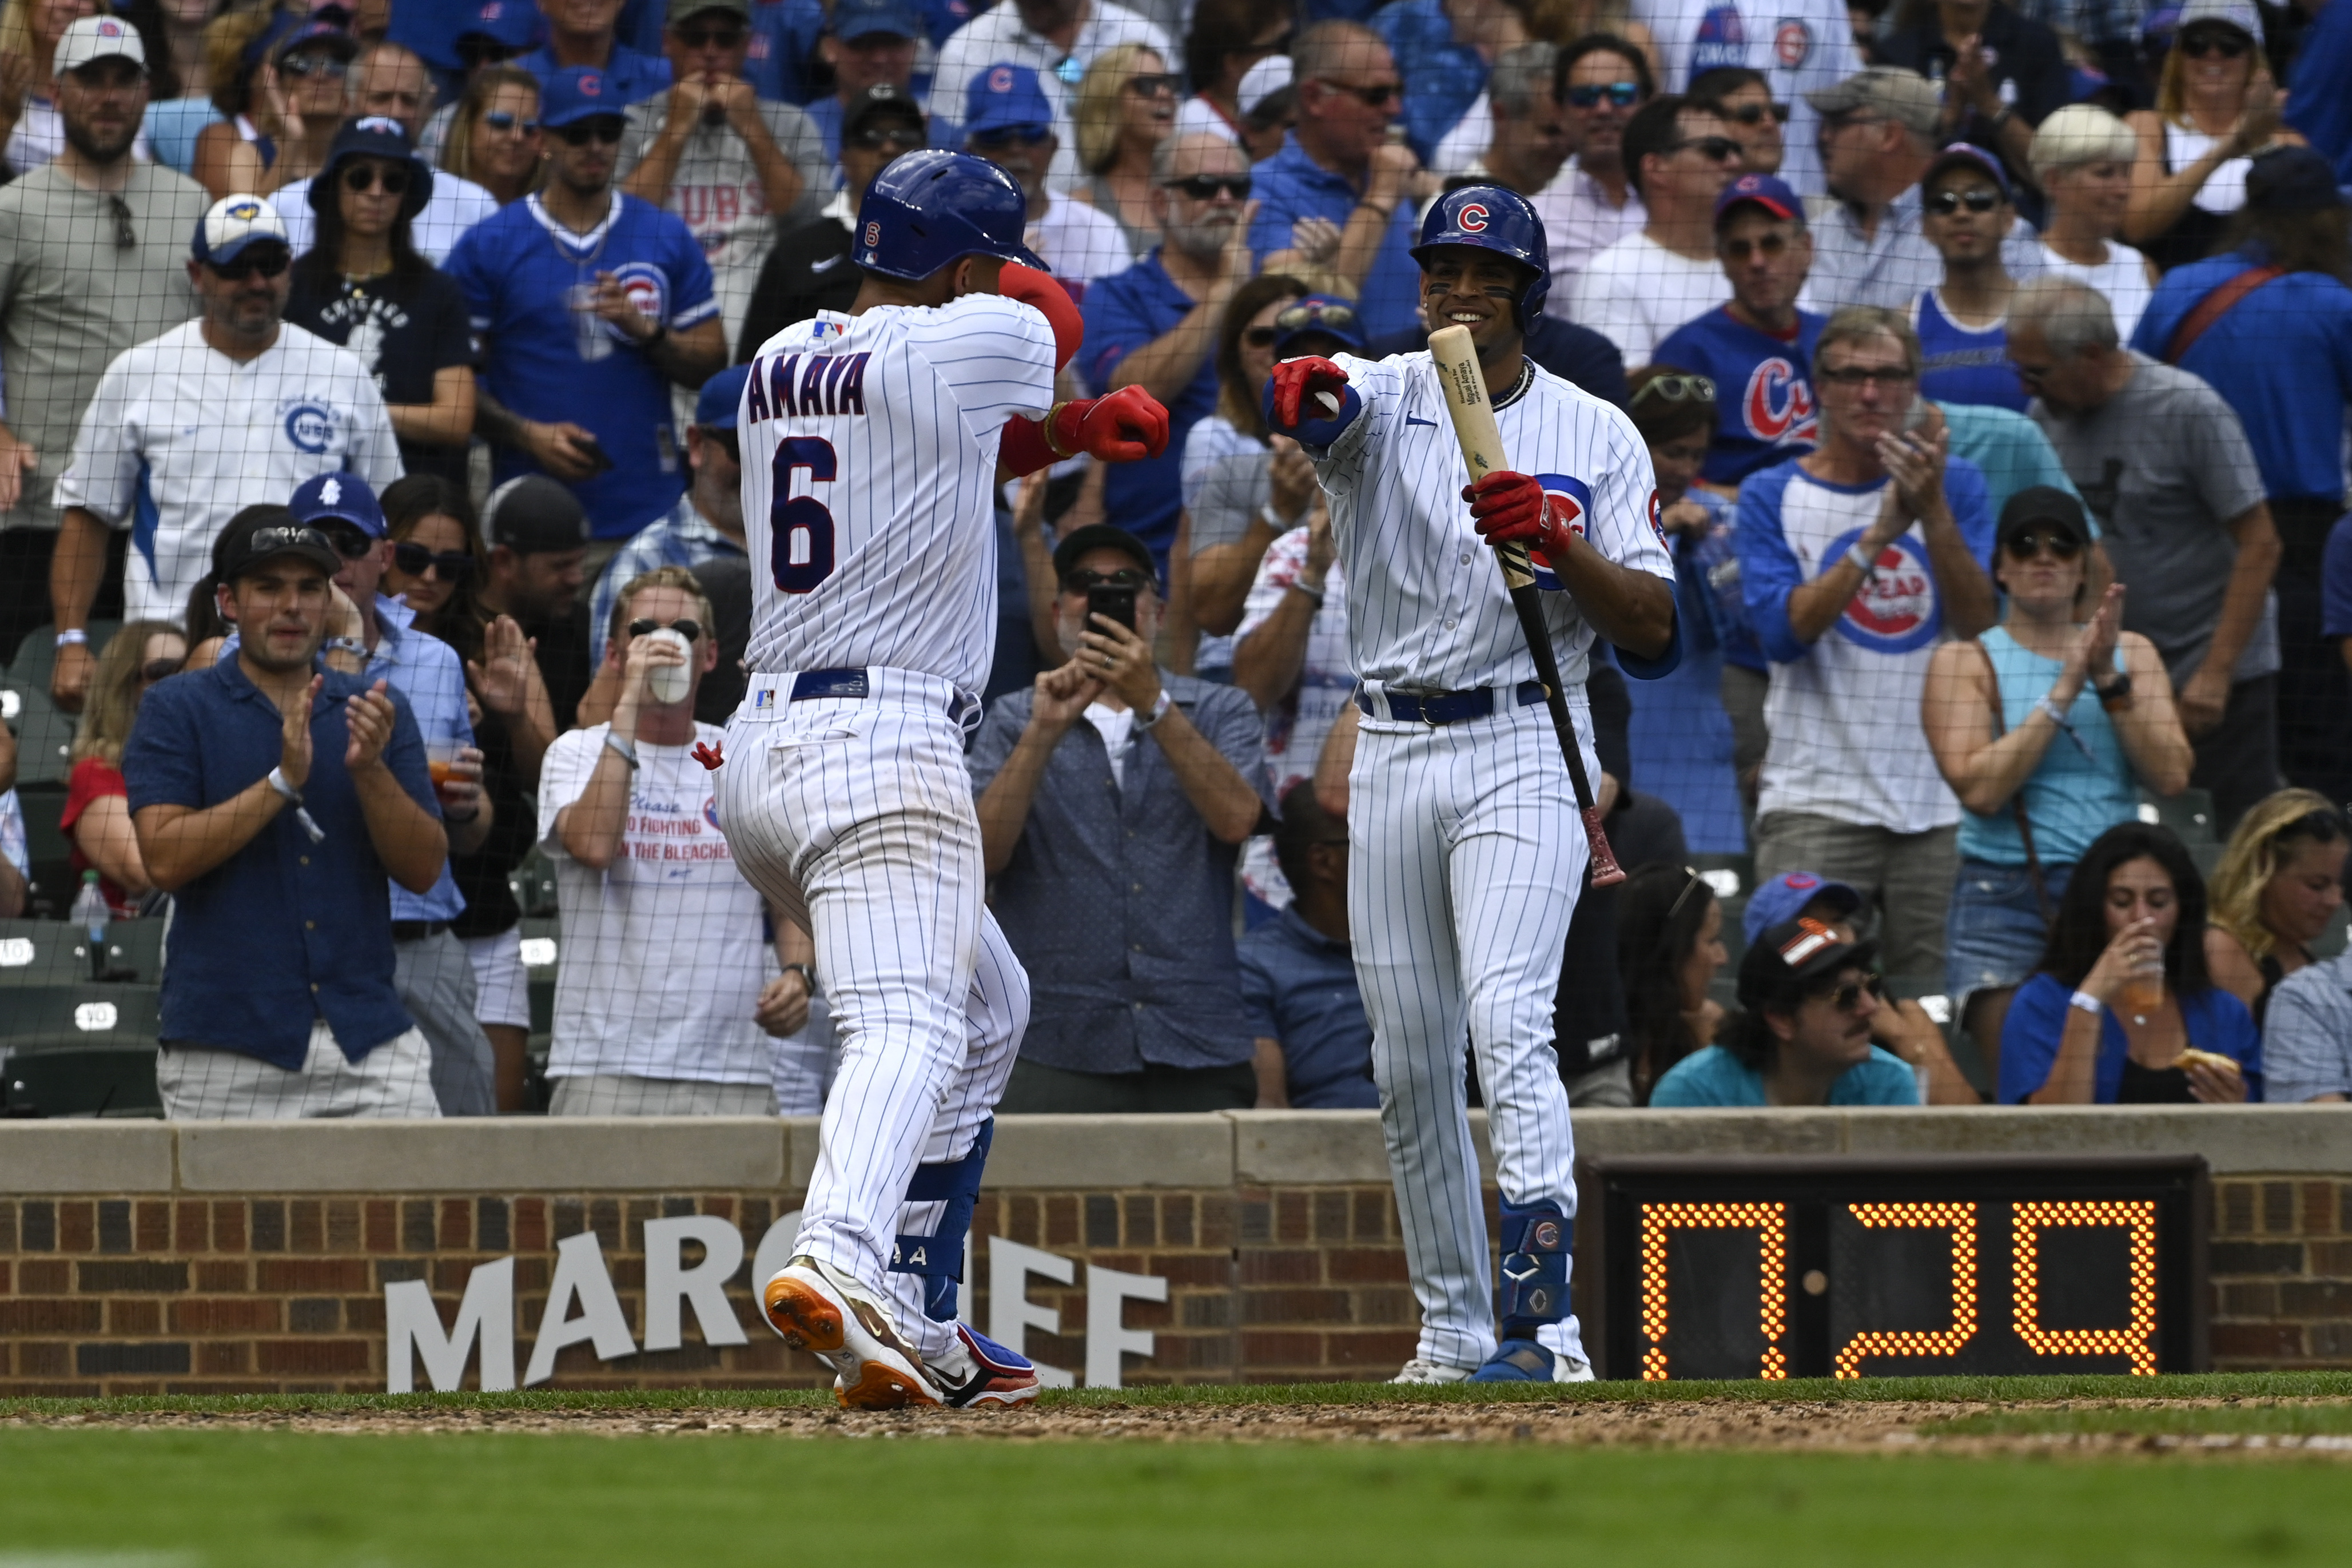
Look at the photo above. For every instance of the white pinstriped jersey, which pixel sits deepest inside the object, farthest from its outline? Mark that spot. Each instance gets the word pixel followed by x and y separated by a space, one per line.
pixel 869 483
pixel 1427 610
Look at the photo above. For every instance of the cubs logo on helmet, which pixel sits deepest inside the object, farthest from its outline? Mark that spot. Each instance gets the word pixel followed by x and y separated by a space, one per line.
pixel 1472 218
pixel 1898 610
pixel 1578 499
pixel 1779 404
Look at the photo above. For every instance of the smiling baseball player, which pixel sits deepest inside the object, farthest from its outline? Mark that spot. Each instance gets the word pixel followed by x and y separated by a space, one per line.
pixel 1466 849
pixel 873 443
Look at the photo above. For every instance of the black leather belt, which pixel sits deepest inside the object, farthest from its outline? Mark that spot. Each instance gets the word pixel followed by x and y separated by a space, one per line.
pixel 1448 707
pixel 417 930
pixel 813 685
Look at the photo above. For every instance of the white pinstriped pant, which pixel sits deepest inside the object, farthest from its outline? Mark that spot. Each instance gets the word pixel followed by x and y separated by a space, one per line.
pixel 1466 858
pixel 857 816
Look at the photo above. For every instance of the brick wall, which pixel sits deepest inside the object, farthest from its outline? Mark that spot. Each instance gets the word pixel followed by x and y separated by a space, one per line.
pixel 2282 1271
pixel 142 1295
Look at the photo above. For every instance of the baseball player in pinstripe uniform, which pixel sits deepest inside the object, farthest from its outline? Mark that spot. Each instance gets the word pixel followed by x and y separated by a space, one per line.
pixel 873 443
pixel 1466 849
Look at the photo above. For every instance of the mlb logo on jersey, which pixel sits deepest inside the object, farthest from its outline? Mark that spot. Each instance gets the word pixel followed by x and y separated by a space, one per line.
pixel 1898 610
pixel 1578 498
pixel 1778 407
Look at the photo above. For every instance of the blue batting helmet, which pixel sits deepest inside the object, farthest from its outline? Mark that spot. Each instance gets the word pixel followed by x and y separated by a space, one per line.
pixel 928 210
pixel 1493 218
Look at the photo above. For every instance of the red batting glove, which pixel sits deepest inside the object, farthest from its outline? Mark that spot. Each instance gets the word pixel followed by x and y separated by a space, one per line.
pixel 1510 508
pixel 1128 425
pixel 709 756
pixel 1295 378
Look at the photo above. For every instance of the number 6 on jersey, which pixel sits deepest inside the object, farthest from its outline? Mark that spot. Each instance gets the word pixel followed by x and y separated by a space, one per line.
pixel 800 555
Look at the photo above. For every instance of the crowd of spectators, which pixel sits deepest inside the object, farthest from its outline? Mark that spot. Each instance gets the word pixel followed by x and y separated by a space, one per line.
pixel 370 507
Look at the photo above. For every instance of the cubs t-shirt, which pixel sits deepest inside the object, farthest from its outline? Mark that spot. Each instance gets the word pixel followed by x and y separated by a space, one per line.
pixel 1301 720
pixel 664 951
pixel 1844 712
pixel 179 437
pixel 1801 45
pixel 1765 409
pixel 526 278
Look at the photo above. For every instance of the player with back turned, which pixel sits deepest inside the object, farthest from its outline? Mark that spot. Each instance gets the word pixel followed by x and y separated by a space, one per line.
pixel 873 443
pixel 1467 851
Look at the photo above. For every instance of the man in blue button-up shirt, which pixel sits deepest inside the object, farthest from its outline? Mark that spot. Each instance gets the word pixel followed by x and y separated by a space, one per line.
pixel 1340 165
pixel 278 801
pixel 1113 801
pixel 1298 974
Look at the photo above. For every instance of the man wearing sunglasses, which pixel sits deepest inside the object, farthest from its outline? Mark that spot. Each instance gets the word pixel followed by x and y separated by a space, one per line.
pixel 706 525
pixel 809 268
pixel 590 304
pixel 89 246
pixel 1807 997
pixel 430 968
pixel 1679 155
pixel 710 151
pixel 1965 213
pixel 1597 83
pixel 234 409
pixel 1058 40
pixel 1743 97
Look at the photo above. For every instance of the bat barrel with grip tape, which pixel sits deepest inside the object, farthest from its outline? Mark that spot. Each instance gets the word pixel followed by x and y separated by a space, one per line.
pixel 1472 413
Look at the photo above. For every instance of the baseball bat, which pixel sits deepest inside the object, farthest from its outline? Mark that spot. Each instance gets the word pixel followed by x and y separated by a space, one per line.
pixel 1482 448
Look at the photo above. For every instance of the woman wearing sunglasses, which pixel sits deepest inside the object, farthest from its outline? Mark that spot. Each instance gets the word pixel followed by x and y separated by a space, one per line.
pixel 2215 107
pixel 282 93
pixel 2041 727
pixel 2279 884
pixel 1124 108
pixel 494 138
pixel 362 285
pixel 2123 1010
pixel 97 817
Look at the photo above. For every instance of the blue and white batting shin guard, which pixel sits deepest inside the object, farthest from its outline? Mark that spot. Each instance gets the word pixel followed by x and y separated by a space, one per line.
pixel 937 1258
pixel 1531 1291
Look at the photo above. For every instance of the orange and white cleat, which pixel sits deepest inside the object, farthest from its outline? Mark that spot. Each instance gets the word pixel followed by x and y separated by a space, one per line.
pixel 828 1313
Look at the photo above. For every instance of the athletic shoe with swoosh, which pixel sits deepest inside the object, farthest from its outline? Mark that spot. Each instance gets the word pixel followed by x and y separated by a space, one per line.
pixel 832 1315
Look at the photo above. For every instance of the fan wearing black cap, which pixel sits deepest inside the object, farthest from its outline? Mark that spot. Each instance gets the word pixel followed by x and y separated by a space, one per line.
pixel 2043 727
pixel 1802 1035
pixel 363 285
pixel 277 800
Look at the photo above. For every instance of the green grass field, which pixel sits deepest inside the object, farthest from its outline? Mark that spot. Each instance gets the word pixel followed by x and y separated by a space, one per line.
pixel 184 1497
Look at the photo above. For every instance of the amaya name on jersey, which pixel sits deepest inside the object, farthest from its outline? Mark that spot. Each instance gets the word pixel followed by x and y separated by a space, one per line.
pixel 804 386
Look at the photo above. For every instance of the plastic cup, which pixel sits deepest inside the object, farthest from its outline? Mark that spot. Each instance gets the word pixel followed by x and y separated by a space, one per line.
pixel 667 683
pixel 2142 993
pixel 440 759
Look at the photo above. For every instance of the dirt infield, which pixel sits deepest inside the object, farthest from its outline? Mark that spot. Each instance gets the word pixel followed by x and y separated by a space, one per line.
pixel 1794 1425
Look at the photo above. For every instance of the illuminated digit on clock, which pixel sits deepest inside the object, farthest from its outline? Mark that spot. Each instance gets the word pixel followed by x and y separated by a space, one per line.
pixel 2138 1340
pixel 1771 1223
pixel 1961 1220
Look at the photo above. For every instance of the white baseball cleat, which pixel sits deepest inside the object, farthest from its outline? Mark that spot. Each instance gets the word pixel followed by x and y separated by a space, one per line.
pixel 830 1314
pixel 1430 1371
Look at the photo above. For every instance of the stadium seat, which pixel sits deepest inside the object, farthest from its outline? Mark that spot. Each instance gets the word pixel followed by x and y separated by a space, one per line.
pixel 44 735
pixel 51 887
pixel 106 1081
pixel 36 655
pixel 2189 815
pixel 63 1017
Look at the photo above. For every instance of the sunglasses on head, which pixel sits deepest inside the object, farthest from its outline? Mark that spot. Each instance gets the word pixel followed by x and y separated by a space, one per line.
pixel 412 559
pixel 1620 94
pixel 606 129
pixel 267 262
pixel 1300 318
pixel 1204 187
pixel 691 630
pixel 506 122
pixel 1677 389
pixel 1380 95
pixel 711 37
pixel 1714 149
pixel 2228 45
pixel 349 543
pixel 361 177
pixel 156 669
pixel 1150 84
pixel 327 65
pixel 874 138
pixel 1080 581
pixel 1770 243
pixel 1944 203
pixel 1754 113
pixel 2032 542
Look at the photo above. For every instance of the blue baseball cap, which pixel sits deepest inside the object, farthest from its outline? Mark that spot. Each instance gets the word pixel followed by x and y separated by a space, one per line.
pixel 337 496
pixel 855 19
pixel 509 23
pixel 233 224
pixel 1767 191
pixel 375 136
pixel 1006 97
pixel 715 409
pixel 1963 155
pixel 1777 901
pixel 578 93
pixel 1324 315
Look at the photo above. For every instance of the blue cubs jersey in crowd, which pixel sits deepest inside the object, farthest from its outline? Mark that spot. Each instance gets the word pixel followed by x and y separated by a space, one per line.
pixel 523 275
pixel 1964 365
pixel 1765 409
